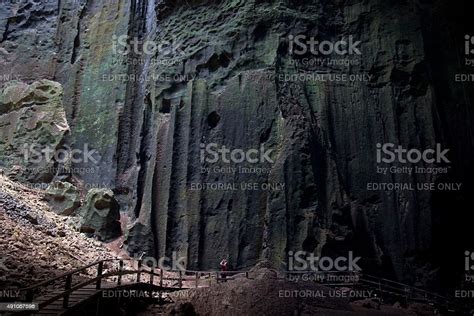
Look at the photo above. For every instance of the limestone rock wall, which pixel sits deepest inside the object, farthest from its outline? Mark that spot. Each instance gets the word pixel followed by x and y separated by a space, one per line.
pixel 223 75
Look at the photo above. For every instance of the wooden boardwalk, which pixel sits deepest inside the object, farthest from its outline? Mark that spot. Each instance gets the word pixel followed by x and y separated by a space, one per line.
pixel 112 274
pixel 77 297
pixel 71 295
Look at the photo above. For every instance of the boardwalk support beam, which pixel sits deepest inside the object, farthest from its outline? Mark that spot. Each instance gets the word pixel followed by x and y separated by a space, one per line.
pixel 100 268
pixel 139 271
pixel 67 287
pixel 119 281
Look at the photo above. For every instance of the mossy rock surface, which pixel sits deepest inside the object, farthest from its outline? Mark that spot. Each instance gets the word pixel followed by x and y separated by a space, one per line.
pixel 32 123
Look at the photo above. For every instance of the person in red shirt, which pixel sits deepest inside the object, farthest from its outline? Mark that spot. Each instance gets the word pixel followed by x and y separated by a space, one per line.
pixel 224 266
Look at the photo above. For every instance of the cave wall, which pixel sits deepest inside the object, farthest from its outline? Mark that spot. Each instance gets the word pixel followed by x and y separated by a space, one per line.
pixel 224 79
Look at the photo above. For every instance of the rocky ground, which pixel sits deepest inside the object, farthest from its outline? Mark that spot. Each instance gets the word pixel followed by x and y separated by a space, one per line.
pixel 264 296
pixel 35 243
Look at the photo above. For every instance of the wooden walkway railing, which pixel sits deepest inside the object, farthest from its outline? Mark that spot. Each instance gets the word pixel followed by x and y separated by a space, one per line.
pixel 176 280
pixel 389 289
pixel 141 275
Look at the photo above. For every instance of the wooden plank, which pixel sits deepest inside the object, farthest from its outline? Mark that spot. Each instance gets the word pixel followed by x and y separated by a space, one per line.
pixel 79 294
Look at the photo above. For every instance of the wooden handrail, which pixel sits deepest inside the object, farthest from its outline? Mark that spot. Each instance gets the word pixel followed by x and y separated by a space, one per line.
pixel 66 293
pixel 76 287
pixel 388 285
pixel 47 282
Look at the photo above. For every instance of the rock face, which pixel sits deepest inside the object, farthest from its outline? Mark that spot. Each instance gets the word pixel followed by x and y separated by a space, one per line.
pixel 63 197
pixel 228 73
pixel 32 120
pixel 100 215
pixel 28 227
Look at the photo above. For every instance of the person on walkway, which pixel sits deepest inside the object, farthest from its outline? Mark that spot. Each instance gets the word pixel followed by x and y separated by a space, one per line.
pixel 224 267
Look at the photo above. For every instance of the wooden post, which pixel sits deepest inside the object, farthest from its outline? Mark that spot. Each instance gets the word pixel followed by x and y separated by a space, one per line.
pixel 161 277
pixel 152 271
pixel 67 287
pixel 119 281
pixel 139 270
pixel 197 279
pixel 100 268
pixel 180 284
pixel 210 279
pixel 161 284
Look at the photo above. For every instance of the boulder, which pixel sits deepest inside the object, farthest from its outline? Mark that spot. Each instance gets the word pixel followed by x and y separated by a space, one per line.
pixel 100 215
